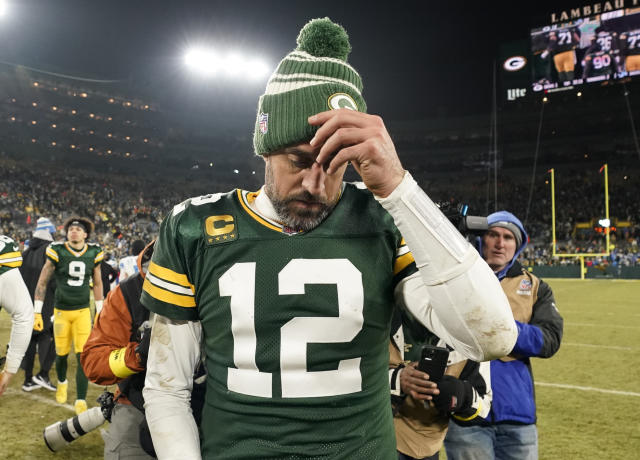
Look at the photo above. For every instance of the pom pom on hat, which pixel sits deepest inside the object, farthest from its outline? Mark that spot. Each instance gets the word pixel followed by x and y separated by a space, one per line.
pixel 324 38
pixel 313 78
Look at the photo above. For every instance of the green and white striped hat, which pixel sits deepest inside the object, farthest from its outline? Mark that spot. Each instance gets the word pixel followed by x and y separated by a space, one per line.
pixel 312 78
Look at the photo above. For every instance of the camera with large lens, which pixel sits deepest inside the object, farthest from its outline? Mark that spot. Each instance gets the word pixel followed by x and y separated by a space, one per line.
pixel 59 434
pixel 469 226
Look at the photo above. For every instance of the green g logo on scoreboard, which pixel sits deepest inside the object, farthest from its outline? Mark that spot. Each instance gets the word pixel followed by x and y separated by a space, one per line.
pixel 342 101
pixel 220 229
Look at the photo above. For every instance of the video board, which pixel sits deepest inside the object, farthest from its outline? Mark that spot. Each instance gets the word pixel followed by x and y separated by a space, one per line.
pixel 586 50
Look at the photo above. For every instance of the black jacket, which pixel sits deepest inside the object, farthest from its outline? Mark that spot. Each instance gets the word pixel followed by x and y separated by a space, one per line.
pixel 33 260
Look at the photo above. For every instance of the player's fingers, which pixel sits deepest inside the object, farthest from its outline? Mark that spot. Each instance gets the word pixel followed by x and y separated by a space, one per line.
pixel 341 138
pixel 331 120
pixel 420 396
pixel 343 156
pixel 352 117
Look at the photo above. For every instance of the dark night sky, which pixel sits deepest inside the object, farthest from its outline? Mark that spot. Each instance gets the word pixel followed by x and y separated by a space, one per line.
pixel 418 59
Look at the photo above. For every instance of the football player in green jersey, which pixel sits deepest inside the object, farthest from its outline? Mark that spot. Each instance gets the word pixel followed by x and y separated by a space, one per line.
pixel 289 291
pixel 15 298
pixel 74 263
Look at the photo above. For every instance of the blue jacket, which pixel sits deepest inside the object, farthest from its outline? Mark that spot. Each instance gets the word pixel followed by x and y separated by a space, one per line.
pixel 540 329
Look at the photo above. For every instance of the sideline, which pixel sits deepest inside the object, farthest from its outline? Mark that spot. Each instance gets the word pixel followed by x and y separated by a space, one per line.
pixel 576 387
pixel 615 280
pixel 601 325
pixel 610 347
pixel 50 401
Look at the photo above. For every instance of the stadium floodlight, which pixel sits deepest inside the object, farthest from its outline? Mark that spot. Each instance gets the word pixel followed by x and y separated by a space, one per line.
pixel 202 61
pixel 257 69
pixel 606 223
pixel 3 8
pixel 209 63
pixel 234 65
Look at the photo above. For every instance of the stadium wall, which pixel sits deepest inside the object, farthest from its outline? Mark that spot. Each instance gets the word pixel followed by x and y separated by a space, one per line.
pixel 573 271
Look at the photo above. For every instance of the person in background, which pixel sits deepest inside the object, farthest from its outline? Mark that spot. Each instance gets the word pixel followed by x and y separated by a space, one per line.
pixel 14 297
pixel 33 259
pixel 128 265
pixel 421 407
pixel 116 352
pixel 73 263
pixel 109 275
pixel 509 431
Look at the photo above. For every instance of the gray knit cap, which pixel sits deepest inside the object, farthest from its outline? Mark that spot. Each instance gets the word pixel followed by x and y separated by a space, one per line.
pixel 313 78
pixel 513 228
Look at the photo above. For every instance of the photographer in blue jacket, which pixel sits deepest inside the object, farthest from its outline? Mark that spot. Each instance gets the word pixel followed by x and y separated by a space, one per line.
pixel 509 431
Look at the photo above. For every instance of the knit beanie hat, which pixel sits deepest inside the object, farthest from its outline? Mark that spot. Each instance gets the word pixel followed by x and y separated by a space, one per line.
pixel 513 228
pixel 44 229
pixel 313 78
pixel 507 220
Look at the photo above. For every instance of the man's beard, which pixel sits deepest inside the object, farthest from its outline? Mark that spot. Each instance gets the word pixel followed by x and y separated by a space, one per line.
pixel 297 219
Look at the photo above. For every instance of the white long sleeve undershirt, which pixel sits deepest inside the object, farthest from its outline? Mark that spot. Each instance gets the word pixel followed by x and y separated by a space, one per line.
pixel 15 298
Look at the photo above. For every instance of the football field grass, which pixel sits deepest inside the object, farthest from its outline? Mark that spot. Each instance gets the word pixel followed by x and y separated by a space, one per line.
pixel 588 394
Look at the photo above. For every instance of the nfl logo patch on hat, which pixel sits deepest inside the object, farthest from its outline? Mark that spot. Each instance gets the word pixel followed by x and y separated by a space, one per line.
pixel 263 121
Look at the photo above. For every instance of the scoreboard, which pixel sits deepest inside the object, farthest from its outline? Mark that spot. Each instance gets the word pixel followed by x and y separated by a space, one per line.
pixel 574 49
pixel 586 50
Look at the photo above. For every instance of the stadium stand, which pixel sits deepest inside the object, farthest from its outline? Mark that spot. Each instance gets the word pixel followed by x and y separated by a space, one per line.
pixel 96 148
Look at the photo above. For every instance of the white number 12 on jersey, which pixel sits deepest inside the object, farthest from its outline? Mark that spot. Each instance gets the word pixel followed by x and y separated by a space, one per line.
pixel 297 382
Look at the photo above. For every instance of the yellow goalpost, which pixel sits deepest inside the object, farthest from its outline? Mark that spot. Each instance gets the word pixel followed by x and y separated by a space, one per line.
pixel 581 255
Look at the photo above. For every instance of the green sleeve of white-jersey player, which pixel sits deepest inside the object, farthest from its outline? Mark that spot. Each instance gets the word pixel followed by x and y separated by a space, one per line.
pixel 10 256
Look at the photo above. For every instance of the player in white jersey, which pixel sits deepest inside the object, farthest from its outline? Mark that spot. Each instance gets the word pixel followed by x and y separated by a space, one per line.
pixel 15 298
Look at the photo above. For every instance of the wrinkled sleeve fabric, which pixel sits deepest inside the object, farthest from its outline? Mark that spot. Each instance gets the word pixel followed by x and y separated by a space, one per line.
pixel 457 296
pixel 174 353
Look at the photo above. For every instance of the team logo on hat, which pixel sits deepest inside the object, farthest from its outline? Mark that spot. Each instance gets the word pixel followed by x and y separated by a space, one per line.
pixel 263 121
pixel 342 101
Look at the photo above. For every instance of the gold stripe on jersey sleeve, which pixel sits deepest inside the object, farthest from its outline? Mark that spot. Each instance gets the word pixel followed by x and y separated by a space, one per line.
pixel 168 297
pixel 402 262
pixel 53 254
pixel 99 257
pixel 10 255
pixel 170 276
pixel 11 259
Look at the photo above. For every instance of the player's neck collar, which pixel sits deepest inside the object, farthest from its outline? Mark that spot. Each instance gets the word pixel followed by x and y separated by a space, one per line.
pixel 74 251
pixel 259 206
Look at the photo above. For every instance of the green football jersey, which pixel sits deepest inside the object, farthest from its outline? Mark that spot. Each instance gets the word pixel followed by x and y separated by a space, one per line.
pixel 10 256
pixel 73 273
pixel 295 326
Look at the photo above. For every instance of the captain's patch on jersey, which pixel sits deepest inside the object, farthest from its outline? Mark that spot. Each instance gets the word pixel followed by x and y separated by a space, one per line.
pixel 220 229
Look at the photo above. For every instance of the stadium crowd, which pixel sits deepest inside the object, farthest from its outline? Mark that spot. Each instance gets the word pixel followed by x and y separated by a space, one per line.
pixel 126 207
